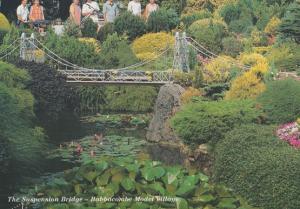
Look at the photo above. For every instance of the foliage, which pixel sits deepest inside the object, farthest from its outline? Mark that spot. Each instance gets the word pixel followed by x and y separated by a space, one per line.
pixel 209 32
pixel 189 94
pixel 53 96
pixel 203 121
pixel 285 56
pixel 258 38
pixel 281 101
pixel 89 28
pixel 114 178
pixel 291 21
pixel 115 52
pixel 215 91
pixel 232 46
pixel 93 42
pixel 73 50
pixel 4 27
pixel 272 26
pixel 149 46
pixel 130 25
pixel 104 31
pixel 218 69
pixel 259 166
pixel 211 5
pixel 71 29
pixel 189 18
pixel 248 85
pixel 290 133
pixel 130 98
pixel 177 5
pixel 24 140
pixel 182 78
pixel 162 20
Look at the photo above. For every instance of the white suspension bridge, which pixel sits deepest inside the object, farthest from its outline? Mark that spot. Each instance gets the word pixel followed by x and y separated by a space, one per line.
pixel 28 46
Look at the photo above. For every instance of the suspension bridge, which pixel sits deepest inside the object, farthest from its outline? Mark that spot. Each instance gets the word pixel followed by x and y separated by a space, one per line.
pixel 133 74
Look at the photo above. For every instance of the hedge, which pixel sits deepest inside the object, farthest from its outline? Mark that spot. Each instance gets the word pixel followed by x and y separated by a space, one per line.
pixel 259 166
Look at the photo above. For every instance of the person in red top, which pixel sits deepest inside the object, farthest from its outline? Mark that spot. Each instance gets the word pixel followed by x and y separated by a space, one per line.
pixel 37 13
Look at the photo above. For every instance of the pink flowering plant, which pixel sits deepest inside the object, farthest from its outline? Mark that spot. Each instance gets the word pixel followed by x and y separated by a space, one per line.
pixel 290 133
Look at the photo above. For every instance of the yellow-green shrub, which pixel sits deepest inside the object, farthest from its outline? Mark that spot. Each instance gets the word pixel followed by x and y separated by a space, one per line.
pixel 272 26
pixel 4 24
pixel 191 92
pixel 218 70
pixel 248 85
pixel 91 41
pixel 150 45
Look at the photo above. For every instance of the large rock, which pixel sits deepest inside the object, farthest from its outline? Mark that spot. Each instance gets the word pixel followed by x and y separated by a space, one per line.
pixel 167 103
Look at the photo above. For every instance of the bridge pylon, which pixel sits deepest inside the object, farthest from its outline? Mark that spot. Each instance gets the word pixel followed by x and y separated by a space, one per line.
pixel 181 53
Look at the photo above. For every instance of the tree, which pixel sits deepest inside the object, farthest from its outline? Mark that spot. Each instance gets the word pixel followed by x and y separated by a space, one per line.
pixel 290 25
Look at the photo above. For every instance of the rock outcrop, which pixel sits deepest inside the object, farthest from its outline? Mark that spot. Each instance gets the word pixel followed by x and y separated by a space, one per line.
pixel 167 103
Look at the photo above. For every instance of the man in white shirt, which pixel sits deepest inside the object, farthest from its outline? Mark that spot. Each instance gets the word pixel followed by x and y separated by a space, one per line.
pixel 135 8
pixel 90 9
pixel 22 12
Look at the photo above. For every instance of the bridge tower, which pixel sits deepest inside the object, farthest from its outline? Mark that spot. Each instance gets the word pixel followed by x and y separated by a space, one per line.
pixel 181 53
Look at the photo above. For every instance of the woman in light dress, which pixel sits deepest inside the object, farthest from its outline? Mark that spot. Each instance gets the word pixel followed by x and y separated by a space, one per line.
pixel 151 7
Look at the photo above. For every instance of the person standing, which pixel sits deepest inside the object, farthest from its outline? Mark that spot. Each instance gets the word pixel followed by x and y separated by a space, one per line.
pixel 110 11
pixel 151 7
pixel 37 14
pixel 22 13
pixel 135 7
pixel 75 12
pixel 90 9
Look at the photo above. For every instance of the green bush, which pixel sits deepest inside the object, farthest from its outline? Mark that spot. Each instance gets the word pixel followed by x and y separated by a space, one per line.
pixel 189 18
pixel 177 5
pixel 24 140
pixel 203 122
pixel 230 12
pixel 73 50
pixel 130 25
pixel 209 32
pixel 71 29
pixel 259 166
pixel 162 20
pixel 116 52
pixel 104 31
pixel 232 46
pixel 281 101
pixel 89 28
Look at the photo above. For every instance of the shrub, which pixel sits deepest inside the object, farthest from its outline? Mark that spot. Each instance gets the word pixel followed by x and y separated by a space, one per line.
pixel 189 94
pixel 285 56
pixel 71 29
pixel 4 24
pixel 230 12
pixel 92 42
pixel 189 18
pixel 53 96
pixel 115 52
pixel 209 32
pixel 104 31
pixel 259 166
pixel 281 101
pixel 176 5
pixel 216 91
pixel 259 38
pixel 150 45
pixel 218 69
pixel 162 20
pixel 203 122
pixel 130 25
pixel 248 85
pixel 130 98
pixel 272 26
pixel 232 46
pixel 89 28
pixel 73 50
pixel 182 78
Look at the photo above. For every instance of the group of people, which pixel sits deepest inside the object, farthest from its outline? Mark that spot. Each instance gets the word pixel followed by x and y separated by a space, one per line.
pixel 35 14
pixel 110 10
pixel 90 9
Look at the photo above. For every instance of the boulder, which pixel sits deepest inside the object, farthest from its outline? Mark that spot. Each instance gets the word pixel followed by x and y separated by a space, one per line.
pixel 167 103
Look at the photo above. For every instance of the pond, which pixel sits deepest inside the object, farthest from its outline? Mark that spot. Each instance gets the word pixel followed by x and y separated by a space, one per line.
pixel 123 136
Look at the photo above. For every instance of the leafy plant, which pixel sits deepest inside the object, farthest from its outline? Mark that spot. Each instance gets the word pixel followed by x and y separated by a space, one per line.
pixel 190 18
pixel 130 25
pixel 259 166
pixel 119 177
pixel 203 121
pixel 280 101
pixel 89 28
pixel 104 31
pixel 162 20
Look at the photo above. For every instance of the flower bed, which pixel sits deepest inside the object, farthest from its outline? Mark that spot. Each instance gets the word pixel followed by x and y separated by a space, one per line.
pixel 290 132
